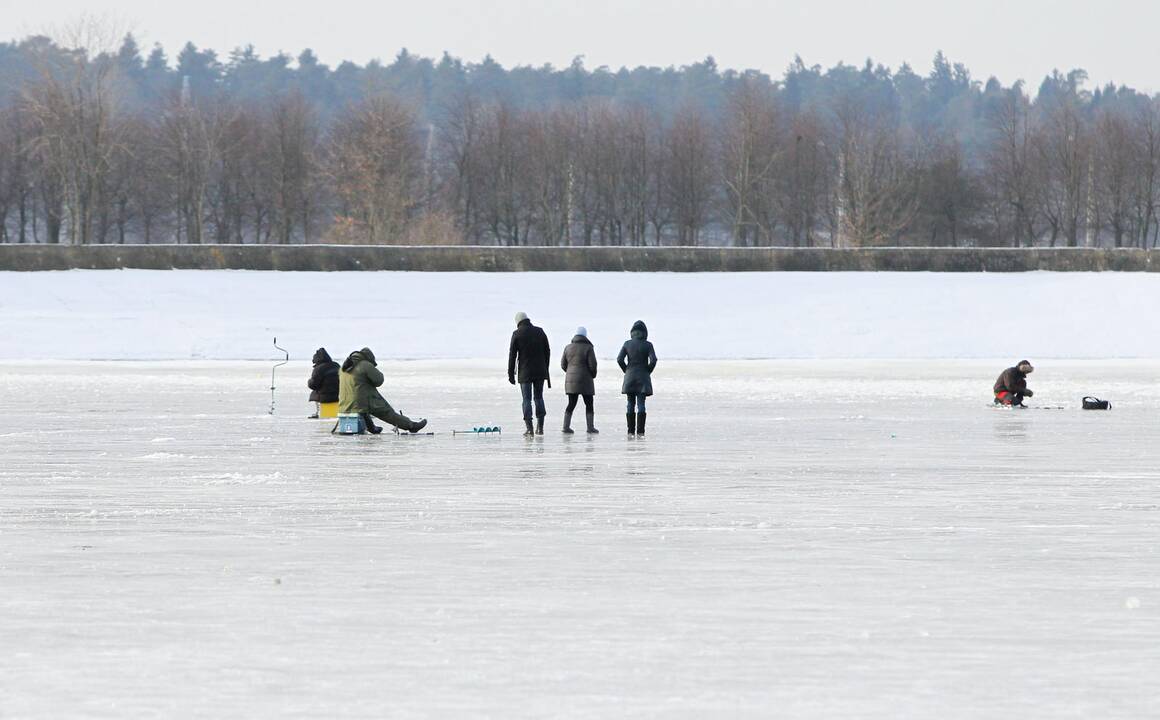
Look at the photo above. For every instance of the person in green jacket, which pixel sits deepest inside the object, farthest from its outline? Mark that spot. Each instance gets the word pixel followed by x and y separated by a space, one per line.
pixel 358 392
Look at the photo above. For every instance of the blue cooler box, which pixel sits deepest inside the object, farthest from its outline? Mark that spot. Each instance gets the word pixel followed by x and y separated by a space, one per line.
pixel 351 424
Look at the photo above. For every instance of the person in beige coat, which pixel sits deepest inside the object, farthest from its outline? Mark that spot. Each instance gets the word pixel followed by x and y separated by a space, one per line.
pixel 579 365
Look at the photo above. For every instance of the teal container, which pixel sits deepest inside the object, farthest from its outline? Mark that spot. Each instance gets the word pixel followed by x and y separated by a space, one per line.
pixel 351 424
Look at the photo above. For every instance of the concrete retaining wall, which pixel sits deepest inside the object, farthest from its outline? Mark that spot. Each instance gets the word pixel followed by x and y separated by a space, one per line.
pixel 609 259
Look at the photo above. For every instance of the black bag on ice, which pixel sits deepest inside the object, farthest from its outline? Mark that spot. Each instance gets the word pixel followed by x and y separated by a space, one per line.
pixel 1092 403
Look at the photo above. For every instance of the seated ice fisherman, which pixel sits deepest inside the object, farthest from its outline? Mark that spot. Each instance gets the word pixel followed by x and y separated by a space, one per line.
pixel 1011 387
pixel 323 382
pixel 358 392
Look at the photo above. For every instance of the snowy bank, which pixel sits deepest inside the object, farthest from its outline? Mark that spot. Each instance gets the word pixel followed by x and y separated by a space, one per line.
pixel 147 314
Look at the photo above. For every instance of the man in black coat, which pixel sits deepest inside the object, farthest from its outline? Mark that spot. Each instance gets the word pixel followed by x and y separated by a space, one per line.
pixel 529 351
pixel 323 382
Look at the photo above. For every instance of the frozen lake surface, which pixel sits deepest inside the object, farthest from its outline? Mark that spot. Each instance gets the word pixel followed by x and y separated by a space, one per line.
pixel 792 539
pixel 233 314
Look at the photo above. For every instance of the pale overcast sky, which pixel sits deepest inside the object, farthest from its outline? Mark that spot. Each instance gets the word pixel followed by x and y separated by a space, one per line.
pixel 1114 40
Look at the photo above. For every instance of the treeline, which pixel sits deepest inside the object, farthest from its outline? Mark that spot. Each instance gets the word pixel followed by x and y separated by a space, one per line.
pixel 126 147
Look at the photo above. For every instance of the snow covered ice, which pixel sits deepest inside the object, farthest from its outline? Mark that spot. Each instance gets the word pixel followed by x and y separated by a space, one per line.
pixel 232 315
pixel 823 537
pixel 793 539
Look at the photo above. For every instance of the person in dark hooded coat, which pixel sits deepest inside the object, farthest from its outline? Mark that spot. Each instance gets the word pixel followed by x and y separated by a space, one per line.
pixel 358 392
pixel 323 382
pixel 637 359
pixel 1011 387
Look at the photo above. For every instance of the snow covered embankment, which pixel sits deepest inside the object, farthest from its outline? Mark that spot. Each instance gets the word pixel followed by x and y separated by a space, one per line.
pixel 156 315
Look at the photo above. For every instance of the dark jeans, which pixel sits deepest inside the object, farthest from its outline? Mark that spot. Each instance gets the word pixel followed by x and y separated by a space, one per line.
pixel 573 397
pixel 529 390
pixel 637 400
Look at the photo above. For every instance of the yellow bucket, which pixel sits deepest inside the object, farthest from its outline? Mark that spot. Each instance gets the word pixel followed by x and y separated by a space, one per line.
pixel 328 410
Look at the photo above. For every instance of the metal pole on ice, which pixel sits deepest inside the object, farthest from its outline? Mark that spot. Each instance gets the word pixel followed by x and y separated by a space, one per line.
pixel 274 370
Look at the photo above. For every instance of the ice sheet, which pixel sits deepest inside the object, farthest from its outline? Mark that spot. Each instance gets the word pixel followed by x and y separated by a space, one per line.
pixel 791 539
pixel 141 314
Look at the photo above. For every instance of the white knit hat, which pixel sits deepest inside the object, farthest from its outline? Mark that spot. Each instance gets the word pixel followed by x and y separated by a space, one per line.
pixel 520 317
pixel 582 331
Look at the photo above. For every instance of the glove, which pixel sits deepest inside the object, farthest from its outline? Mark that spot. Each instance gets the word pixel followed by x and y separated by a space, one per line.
pixel 512 379
pixel 1028 393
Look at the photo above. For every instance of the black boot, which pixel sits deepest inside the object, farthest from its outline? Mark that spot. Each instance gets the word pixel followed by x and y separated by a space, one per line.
pixel 591 418
pixel 370 423
pixel 568 423
pixel 539 426
pixel 417 426
pixel 640 417
pixel 529 432
pixel 631 417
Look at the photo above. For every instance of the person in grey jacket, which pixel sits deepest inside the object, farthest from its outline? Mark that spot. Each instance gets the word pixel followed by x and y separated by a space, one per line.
pixel 579 365
pixel 637 359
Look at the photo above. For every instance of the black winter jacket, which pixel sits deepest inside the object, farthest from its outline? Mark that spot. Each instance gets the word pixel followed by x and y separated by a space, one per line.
pixel 637 359
pixel 530 351
pixel 323 382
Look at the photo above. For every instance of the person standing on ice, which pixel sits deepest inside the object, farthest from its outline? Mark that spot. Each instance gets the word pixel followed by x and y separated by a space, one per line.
pixel 579 365
pixel 323 382
pixel 1011 387
pixel 637 359
pixel 529 352
pixel 358 392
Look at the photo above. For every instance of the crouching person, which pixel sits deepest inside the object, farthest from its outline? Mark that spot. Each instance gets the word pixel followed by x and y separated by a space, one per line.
pixel 358 392
pixel 1011 387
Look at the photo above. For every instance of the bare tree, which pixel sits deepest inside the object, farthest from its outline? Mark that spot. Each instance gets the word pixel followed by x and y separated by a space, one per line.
pixel 550 150
pixel 877 184
pixel 584 195
pixel 98 145
pixel 240 174
pixel 948 194
pixel 291 149
pixel 505 163
pixel 11 170
pixel 375 163
pixel 189 145
pixel 150 190
pixel 1063 149
pixel 608 172
pixel 75 109
pixel 460 175
pixel 1116 174
pixel 689 173
pixel 804 185
pixel 1012 162
pixel 114 207
pixel 1146 146
pixel 749 157
pixel 637 150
